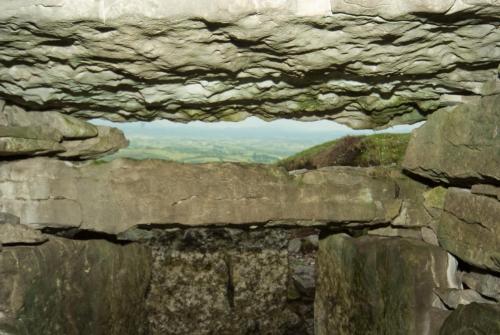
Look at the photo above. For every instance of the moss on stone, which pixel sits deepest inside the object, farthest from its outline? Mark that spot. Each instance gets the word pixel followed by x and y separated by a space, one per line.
pixel 435 197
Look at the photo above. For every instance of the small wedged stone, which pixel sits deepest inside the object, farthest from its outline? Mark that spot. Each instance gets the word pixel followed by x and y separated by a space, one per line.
pixel 469 228
pixel 373 285
pixel 108 141
pixel 13 233
pixel 459 146
pixel 488 190
pixel 453 298
pixel 473 319
pixel 486 284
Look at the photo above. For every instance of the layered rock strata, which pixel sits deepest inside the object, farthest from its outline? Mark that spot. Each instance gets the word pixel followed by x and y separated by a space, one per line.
pixel 24 134
pixel 363 63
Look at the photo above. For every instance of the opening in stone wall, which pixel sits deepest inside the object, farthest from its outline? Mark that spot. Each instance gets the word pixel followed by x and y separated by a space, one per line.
pixel 250 141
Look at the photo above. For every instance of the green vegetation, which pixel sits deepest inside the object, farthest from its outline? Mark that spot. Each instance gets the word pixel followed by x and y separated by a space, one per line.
pixel 215 150
pixel 371 150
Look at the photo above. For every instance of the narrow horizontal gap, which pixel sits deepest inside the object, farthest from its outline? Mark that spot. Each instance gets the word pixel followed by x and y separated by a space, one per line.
pixel 250 141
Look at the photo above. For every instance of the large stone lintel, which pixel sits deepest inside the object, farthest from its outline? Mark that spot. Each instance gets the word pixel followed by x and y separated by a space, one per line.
pixel 114 197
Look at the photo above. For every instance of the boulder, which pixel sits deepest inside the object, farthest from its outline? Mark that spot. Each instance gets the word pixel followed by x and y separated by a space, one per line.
pixel 372 285
pixel 473 319
pixel 66 287
pixel 116 196
pixel 469 228
pixel 460 146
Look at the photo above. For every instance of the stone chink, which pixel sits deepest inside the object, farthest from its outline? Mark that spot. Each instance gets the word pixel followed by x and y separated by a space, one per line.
pixel 154 247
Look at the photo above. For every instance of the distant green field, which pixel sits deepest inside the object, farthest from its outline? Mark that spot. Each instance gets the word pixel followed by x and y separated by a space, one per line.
pixel 217 150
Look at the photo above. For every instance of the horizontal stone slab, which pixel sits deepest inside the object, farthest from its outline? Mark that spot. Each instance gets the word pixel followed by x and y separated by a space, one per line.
pixel 226 60
pixel 114 197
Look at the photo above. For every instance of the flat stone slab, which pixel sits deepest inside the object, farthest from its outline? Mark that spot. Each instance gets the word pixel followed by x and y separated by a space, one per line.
pixel 114 197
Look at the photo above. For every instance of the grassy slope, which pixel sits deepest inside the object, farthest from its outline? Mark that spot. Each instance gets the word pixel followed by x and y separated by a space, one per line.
pixel 379 149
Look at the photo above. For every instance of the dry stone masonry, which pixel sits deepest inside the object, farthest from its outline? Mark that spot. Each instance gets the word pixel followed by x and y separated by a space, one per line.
pixel 153 247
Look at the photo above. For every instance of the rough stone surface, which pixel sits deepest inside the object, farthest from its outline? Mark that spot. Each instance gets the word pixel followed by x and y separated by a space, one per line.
pixel 473 319
pixel 221 281
pixel 13 233
pixel 50 133
pixel 371 285
pixel 114 197
pixel 68 287
pixel 461 145
pixel 108 141
pixel 484 283
pixel 413 213
pixel 453 298
pixel 364 63
pixel 469 228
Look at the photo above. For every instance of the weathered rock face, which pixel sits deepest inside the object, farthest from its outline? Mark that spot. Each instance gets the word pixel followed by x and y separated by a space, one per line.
pixel 13 233
pixel 469 228
pixel 364 63
pixel 50 133
pixel 372 285
pixel 473 319
pixel 74 287
pixel 484 283
pixel 114 197
pixel 221 281
pixel 461 145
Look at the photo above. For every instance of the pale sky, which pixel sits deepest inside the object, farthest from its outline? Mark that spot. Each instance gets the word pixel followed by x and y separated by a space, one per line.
pixel 253 123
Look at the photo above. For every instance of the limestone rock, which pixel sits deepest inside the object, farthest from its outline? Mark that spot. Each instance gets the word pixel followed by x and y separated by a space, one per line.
pixel 108 141
pixel 458 146
pixel 29 141
pixel 114 197
pixel 50 133
pixel 469 228
pixel 413 213
pixel 453 298
pixel 220 281
pixel 226 60
pixel 68 287
pixel 396 232
pixel 486 284
pixel 371 285
pixel 13 233
pixel 489 190
pixel 473 319
pixel 67 126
